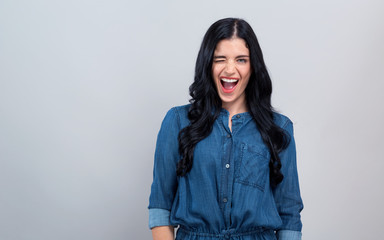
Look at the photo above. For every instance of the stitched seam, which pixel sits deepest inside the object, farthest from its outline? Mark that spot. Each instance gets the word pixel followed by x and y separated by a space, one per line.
pixel 178 117
pixel 286 123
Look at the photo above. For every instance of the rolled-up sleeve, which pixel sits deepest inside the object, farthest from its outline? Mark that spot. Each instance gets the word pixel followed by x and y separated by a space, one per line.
pixel 287 193
pixel 164 183
pixel 288 235
pixel 158 217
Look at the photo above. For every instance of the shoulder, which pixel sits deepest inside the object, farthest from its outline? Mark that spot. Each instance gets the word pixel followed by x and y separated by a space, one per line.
pixel 281 120
pixel 182 110
pixel 178 114
pixel 285 124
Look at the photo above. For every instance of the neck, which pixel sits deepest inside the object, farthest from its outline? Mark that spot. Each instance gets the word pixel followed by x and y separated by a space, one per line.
pixel 235 108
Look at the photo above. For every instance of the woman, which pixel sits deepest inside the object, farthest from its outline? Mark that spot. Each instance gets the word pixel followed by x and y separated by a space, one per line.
pixel 225 165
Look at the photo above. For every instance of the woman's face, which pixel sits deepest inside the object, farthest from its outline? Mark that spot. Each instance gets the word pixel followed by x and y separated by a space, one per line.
pixel 231 69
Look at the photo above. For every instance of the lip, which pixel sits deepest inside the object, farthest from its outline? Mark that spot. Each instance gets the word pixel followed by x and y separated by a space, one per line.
pixel 230 78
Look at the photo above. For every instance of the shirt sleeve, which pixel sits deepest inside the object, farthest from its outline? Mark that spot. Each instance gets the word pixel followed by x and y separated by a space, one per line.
pixel 287 193
pixel 164 183
pixel 288 235
pixel 158 217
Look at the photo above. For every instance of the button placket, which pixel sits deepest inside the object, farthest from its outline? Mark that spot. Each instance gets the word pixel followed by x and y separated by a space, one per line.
pixel 226 192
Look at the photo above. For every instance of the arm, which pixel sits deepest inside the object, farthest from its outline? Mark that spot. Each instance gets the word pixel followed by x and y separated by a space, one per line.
pixel 164 185
pixel 160 225
pixel 163 233
pixel 287 193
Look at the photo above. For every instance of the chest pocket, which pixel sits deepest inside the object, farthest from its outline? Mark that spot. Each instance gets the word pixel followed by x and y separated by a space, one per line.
pixel 253 166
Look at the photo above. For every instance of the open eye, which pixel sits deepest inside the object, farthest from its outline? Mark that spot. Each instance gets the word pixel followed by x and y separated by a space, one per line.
pixel 241 60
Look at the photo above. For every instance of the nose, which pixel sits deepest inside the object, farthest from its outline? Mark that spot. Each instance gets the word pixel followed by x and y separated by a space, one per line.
pixel 230 67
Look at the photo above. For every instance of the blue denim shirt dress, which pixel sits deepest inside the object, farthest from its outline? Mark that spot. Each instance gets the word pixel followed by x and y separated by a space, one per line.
pixel 227 193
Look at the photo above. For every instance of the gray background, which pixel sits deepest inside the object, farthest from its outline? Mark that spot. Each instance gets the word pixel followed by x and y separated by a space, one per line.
pixel 85 84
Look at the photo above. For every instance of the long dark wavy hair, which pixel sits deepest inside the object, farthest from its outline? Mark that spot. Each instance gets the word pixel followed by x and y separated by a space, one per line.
pixel 206 104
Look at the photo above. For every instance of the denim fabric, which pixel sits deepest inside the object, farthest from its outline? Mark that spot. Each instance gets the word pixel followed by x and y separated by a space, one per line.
pixel 288 235
pixel 227 193
pixel 158 217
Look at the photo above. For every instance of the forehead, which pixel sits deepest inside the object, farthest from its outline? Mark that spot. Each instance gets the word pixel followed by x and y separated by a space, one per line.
pixel 233 46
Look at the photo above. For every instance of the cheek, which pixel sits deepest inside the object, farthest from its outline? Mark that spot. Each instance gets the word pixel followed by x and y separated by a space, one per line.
pixel 214 76
pixel 246 72
pixel 216 71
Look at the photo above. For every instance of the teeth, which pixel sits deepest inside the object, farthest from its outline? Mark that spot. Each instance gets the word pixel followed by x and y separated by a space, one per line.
pixel 229 80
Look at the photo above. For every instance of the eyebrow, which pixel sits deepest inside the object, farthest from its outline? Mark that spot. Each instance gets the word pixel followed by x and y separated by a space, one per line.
pixel 240 56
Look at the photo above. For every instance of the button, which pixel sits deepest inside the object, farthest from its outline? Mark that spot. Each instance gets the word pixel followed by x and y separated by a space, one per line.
pixel 225 200
pixel 229 135
pixel 238 116
pixel 227 165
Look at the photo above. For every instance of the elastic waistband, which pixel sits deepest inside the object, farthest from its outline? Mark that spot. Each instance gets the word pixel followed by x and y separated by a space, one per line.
pixel 225 233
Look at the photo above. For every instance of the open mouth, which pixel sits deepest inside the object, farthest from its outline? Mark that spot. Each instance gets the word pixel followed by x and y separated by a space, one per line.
pixel 228 84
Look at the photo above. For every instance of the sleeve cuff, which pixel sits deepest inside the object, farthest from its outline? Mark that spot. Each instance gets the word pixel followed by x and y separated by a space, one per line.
pixel 288 235
pixel 158 217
